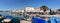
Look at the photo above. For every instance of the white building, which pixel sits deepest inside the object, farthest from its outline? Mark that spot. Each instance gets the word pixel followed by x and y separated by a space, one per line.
pixel 41 11
pixel 17 10
pixel 29 9
pixel 36 9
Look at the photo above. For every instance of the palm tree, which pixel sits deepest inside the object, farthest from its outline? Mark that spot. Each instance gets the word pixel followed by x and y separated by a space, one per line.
pixel 45 8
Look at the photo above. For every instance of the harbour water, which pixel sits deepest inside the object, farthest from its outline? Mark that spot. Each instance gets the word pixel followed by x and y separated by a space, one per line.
pixel 15 17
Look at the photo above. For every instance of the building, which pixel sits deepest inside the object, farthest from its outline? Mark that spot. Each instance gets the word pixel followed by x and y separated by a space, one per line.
pixel 29 9
pixel 18 11
pixel 36 9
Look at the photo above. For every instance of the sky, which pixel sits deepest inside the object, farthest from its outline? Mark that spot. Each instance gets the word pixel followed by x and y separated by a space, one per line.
pixel 22 4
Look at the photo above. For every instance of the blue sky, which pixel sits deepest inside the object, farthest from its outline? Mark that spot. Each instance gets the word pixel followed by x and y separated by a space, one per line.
pixel 22 4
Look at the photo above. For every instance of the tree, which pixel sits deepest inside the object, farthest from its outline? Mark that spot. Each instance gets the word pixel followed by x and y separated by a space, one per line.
pixel 44 8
